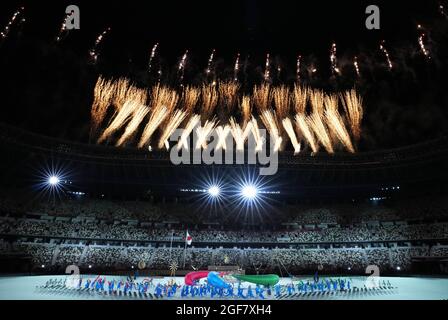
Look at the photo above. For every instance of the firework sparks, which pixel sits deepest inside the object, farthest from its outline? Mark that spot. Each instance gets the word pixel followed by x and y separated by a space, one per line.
pixel 386 54
pixel 63 28
pixel 137 118
pixel 317 101
pixel 181 68
pixel 336 123
pixel 442 11
pixel 223 133
pixel 334 60
pixel 267 71
pixel 132 106
pixel 102 98
pixel 287 124
pixel 228 95
pixel 256 134
pixel 236 68
pixel 157 116
pixel 192 123
pixel 316 123
pixel 190 97
pixel 123 116
pixel 174 122
pixel 300 99
pixel 281 101
pixel 11 22
pixel 262 97
pixel 270 122
pixel 302 125
pixel 203 132
pixel 151 57
pixel 246 109
pixel 210 63
pixel 298 67
pixel 422 40
pixel 209 100
pixel 239 134
pixel 93 53
pixel 354 111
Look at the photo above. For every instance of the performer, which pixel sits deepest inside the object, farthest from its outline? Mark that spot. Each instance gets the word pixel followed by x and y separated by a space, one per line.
pixel 250 294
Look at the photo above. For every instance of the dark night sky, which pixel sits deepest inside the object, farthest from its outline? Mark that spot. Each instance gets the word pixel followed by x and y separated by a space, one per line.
pixel 48 87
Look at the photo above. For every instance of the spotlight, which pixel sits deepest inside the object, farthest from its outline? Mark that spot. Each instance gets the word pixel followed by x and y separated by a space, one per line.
pixel 249 192
pixel 214 191
pixel 53 180
pixel 43 266
pixel 398 268
pixel 90 266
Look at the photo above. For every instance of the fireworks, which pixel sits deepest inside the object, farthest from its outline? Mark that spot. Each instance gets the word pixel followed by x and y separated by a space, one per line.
pixel 356 65
pixel 190 97
pixel 256 134
pixel 287 124
pixel 354 111
pixel 245 109
pixel 102 98
pixel 151 57
pixel 137 118
pixel 442 10
pixel 336 123
pixel 209 100
pixel 181 68
pixel 63 28
pixel 210 62
pixel 267 71
pixel 120 119
pixel 191 124
pixel 270 122
pixel 316 123
pixel 239 134
pixel 11 22
pixel 157 116
pixel 93 53
pixel 334 60
pixel 281 101
pixel 386 54
pixel 298 66
pixel 228 95
pixel 300 98
pixel 165 110
pixel 222 132
pixel 236 68
pixel 317 101
pixel 262 97
pixel 302 124
pixel 203 132
pixel 174 122
pixel 422 40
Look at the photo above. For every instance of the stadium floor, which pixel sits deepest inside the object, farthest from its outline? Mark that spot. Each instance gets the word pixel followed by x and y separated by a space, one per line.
pixel 409 288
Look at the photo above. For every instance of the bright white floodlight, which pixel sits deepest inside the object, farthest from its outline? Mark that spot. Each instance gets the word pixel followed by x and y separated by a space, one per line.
pixel 53 180
pixel 249 192
pixel 214 191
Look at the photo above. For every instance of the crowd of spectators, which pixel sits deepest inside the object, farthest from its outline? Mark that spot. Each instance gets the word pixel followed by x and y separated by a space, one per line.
pixel 282 261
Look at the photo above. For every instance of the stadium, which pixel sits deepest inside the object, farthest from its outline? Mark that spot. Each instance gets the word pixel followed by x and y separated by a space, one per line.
pixel 93 206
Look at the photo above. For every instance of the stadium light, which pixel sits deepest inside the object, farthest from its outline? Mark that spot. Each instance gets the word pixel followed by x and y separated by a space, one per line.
pixel 249 192
pixel 214 191
pixel 53 180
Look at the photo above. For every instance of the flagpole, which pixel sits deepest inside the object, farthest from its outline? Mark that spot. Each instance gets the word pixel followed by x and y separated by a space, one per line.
pixel 171 243
pixel 185 248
